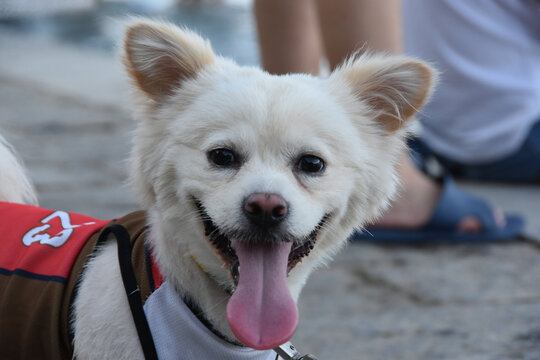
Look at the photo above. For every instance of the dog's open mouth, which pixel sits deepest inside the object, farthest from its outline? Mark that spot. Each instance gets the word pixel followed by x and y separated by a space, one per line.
pixel 222 244
pixel 261 311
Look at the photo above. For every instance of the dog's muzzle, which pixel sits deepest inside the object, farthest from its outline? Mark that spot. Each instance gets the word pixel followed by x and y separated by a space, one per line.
pixel 265 214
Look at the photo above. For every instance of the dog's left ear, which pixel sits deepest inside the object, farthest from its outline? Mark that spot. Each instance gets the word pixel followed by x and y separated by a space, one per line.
pixel 159 57
pixel 393 87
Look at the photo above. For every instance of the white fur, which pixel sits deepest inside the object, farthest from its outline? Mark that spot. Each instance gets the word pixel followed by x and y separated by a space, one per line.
pixel 353 120
pixel 103 298
pixel 14 183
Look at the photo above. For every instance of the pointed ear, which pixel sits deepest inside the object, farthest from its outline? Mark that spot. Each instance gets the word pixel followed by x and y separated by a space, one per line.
pixel 159 57
pixel 393 87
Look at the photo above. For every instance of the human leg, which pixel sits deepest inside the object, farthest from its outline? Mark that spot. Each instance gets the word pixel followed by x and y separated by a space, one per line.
pixel 350 25
pixel 288 36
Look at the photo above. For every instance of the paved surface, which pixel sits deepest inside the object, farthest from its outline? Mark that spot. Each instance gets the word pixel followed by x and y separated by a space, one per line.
pixel 63 105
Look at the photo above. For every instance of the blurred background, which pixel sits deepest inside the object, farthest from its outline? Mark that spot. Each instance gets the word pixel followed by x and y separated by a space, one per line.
pixel 64 106
pixel 97 24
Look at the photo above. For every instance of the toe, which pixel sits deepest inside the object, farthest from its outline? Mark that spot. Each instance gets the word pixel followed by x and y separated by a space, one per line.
pixel 471 224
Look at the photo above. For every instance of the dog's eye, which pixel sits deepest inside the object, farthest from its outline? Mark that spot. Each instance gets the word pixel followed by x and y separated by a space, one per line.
pixel 311 164
pixel 222 157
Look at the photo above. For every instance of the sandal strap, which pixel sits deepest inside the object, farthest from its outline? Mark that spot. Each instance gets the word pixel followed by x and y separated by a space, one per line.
pixel 455 204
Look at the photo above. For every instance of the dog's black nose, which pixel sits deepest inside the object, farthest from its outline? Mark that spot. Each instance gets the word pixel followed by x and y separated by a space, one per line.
pixel 265 210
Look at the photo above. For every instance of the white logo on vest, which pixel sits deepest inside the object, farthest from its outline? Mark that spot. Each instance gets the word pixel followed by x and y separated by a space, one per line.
pixel 37 234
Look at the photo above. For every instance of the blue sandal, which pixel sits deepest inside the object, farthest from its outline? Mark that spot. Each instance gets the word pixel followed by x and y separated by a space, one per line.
pixel 454 205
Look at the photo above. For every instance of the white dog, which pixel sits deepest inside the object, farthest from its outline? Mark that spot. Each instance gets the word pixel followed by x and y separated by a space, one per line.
pixel 250 181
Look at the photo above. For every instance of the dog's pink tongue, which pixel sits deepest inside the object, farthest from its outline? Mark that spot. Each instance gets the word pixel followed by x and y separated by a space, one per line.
pixel 261 312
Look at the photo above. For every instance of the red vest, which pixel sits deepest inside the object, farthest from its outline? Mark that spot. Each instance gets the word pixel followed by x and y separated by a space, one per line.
pixel 42 256
pixel 42 243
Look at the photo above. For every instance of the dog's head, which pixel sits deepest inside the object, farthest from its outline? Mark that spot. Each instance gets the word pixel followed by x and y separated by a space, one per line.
pixel 261 178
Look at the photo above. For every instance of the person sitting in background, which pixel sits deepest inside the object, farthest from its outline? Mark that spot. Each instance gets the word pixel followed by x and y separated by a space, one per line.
pixel 295 35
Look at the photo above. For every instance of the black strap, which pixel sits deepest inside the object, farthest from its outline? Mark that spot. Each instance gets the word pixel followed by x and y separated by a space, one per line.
pixel 132 288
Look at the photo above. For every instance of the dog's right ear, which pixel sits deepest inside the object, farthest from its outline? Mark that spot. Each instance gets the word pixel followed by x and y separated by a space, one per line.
pixel 159 57
pixel 394 88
